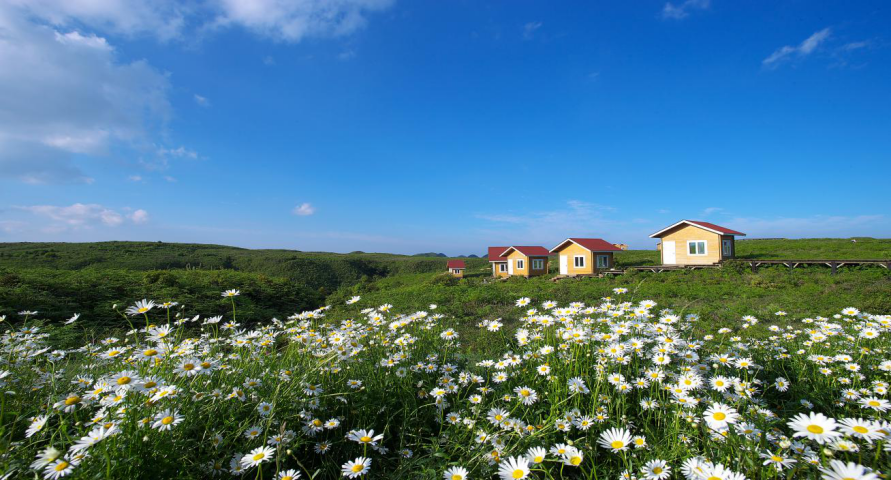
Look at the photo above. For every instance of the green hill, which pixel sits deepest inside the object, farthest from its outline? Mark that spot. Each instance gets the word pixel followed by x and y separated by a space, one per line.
pixel 61 278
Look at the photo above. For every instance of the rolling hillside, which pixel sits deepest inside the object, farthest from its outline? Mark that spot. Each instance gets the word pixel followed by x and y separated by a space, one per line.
pixel 60 278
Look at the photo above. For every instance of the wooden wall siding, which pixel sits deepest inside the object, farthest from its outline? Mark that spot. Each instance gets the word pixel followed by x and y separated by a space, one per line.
pixel 684 233
pixel 571 250
pixel 527 270
pixel 496 272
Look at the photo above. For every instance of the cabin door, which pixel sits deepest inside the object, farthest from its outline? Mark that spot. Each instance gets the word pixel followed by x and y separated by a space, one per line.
pixel 726 247
pixel 510 267
pixel 668 253
pixel 564 264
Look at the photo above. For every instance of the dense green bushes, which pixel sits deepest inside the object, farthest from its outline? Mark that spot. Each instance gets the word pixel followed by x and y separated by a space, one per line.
pixel 56 294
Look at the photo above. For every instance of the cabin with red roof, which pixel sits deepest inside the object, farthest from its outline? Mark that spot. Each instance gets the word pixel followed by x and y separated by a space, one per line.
pixel 526 261
pixel 499 263
pixel 456 268
pixel 692 242
pixel 585 256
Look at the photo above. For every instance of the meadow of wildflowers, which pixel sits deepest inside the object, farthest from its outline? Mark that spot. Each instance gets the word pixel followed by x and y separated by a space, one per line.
pixel 602 389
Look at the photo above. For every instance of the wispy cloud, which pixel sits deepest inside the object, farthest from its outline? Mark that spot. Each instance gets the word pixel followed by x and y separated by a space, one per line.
pixel 682 10
pixel 530 28
pixel 816 226
pixel 81 215
pixel 304 210
pixel 577 218
pixel 201 101
pixel 805 48
pixel 710 210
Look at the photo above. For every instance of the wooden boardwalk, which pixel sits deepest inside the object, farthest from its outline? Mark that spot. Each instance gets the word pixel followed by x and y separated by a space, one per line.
pixel 833 264
pixel 753 264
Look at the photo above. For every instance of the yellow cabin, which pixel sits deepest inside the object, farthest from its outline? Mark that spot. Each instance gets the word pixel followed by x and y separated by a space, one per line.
pixel 526 261
pixel 584 256
pixel 691 242
pixel 456 268
pixel 499 263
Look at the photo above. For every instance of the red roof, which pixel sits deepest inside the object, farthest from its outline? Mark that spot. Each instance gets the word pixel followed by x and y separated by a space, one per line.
pixel 529 251
pixel 495 254
pixel 455 264
pixel 592 244
pixel 719 228
pixel 705 225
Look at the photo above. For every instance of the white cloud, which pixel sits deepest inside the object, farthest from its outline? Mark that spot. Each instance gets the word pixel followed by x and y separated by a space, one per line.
pixel 139 216
pixel 135 178
pixel 62 94
pixel 346 54
pixel 293 20
pixel 804 49
pixel 285 20
pixel 710 210
pixel 682 10
pixel 202 101
pixel 304 209
pixel 164 19
pixel 80 215
pixel 530 28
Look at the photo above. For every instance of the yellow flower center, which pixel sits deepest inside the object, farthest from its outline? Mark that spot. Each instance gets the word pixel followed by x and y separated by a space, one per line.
pixel 576 460
pixel 143 309
pixel 365 439
pixel 61 466
pixel 456 477
pixel 357 468
pixel 617 444
pixel 259 456
pixel 205 364
pixel 861 429
pixel 776 458
pixel 124 380
pixel 167 420
pixel 719 416
pixel 150 352
pixel 188 366
pixel 518 473
pixel 816 429
pixel 873 403
pixel 72 400
pixel 150 384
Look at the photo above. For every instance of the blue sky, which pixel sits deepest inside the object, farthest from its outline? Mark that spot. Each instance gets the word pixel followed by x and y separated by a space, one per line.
pixel 399 126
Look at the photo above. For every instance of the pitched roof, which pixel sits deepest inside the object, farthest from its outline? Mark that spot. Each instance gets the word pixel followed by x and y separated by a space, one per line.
pixel 495 254
pixel 529 251
pixel 591 244
pixel 705 225
pixel 455 264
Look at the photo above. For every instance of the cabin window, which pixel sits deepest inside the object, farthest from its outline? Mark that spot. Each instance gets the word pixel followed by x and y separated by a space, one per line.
pixel 456 271
pixel 602 261
pixel 521 264
pixel 727 247
pixel 538 264
pixel 502 267
pixel 578 261
pixel 696 247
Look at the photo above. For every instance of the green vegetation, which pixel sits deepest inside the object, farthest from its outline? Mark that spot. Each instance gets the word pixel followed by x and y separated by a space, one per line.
pixel 59 278
pixel 316 270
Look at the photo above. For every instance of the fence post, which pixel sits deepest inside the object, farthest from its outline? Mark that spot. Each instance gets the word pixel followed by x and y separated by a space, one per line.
pixel 834 266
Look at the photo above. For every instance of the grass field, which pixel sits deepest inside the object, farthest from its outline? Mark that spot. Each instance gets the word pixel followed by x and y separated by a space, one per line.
pixel 709 374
